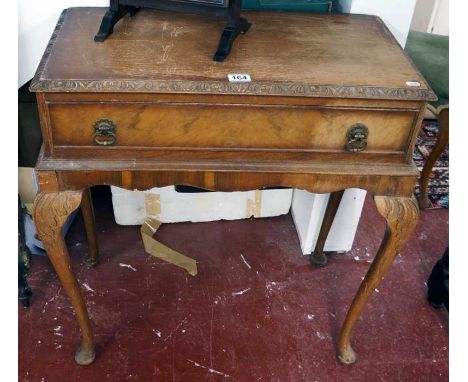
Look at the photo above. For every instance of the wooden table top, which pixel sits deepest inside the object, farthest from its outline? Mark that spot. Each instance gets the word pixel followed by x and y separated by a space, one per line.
pixel 288 54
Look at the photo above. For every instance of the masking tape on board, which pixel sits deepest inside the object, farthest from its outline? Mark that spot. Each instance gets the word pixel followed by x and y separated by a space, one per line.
pixel 254 207
pixel 153 204
pixel 159 250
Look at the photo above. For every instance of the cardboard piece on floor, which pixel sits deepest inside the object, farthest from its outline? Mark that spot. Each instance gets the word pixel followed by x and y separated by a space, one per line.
pixel 159 250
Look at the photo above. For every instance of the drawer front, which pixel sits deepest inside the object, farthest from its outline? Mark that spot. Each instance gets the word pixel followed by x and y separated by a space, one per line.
pixel 226 127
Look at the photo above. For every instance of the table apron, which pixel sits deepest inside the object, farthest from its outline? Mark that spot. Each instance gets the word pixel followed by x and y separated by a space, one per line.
pixel 390 185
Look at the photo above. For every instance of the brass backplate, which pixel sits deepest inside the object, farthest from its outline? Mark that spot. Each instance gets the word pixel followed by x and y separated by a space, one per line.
pixel 356 138
pixel 104 132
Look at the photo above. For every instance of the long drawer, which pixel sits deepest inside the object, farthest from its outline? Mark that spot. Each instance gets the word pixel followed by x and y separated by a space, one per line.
pixel 284 131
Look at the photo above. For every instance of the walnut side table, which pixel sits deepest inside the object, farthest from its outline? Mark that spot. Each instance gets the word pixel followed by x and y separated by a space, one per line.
pixel 333 103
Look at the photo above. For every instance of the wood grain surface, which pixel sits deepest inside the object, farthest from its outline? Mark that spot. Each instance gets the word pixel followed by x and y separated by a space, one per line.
pixel 220 126
pixel 353 56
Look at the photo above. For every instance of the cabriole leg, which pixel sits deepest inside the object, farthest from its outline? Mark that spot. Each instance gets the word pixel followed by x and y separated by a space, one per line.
pixel 51 210
pixel 401 215
pixel 88 217
pixel 317 257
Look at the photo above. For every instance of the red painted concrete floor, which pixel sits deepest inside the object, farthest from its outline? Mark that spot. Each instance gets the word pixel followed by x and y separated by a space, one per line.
pixel 154 322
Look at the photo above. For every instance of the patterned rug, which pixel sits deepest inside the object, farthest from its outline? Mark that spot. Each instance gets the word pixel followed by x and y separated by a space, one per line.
pixel 439 179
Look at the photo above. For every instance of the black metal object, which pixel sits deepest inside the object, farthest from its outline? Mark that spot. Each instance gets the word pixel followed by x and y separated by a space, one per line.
pixel 24 259
pixel 438 283
pixel 230 9
pixel 24 291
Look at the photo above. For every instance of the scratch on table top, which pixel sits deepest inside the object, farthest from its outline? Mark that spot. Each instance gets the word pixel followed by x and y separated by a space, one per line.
pixel 166 49
pixel 176 31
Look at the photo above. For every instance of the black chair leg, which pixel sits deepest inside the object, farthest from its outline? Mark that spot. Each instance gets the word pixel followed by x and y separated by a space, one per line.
pixel 111 18
pixel 24 259
pixel 24 292
pixel 438 283
pixel 227 38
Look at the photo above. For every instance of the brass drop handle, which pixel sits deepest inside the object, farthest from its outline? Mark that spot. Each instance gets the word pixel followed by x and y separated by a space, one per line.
pixel 104 132
pixel 356 138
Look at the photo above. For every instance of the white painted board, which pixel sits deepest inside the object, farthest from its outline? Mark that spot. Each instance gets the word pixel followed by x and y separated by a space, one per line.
pixel 169 206
pixel 440 19
pixel 307 210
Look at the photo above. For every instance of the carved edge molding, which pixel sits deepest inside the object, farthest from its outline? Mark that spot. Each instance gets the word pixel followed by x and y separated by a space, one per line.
pixel 217 87
pixel 40 84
